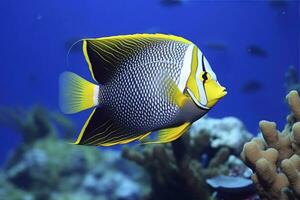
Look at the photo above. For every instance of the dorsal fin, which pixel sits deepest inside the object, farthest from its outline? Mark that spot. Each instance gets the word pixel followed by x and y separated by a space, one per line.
pixel 104 55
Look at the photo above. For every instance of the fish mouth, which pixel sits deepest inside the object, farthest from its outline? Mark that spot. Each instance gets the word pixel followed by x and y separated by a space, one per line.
pixel 224 92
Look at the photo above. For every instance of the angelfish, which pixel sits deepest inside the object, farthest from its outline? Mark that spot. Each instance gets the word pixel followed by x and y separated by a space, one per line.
pixel 144 83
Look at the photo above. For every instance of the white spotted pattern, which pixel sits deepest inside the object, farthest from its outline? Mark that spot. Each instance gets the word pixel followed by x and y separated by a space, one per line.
pixel 137 92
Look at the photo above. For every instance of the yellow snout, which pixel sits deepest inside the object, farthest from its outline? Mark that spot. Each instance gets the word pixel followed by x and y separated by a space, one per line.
pixel 214 92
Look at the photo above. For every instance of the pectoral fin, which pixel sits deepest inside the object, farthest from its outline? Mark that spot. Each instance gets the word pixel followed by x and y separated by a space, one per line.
pixel 170 134
pixel 176 96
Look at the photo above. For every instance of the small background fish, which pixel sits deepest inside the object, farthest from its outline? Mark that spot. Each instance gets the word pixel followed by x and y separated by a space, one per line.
pixel 251 86
pixel 257 51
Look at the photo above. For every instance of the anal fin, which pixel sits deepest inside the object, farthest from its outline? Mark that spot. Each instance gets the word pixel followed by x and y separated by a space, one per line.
pixel 101 129
pixel 125 141
pixel 170 134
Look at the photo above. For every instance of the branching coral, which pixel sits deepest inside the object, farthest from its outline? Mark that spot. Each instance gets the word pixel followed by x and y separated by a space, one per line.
pixel 175 170
pixel 275 158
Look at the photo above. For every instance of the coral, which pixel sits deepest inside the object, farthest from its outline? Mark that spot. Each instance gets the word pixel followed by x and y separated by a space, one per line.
pixel 48 167
pixel 35 123
pixel 228 131
pixel 66 125
pixel 45 166
pixel 275 157
pixel 179 170
pixel 170 178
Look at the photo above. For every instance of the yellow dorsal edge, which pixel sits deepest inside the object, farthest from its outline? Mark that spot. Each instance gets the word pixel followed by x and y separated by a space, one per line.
pixel 84 49
pixel 144 35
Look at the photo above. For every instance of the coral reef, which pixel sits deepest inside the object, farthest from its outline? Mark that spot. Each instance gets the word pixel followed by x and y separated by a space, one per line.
pixel 179 170
pixel 46 166
pixel 35 123
pixel 275 157
pixel 228 131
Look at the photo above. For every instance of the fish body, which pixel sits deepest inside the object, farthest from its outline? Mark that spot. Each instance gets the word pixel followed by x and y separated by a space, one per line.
pixel 146 83
pixel 139 83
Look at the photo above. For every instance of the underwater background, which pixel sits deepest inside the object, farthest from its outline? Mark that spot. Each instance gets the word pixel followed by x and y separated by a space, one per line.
pixel 251 45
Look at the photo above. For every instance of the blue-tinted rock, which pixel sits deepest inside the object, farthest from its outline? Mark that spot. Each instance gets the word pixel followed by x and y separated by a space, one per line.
pixel 229 187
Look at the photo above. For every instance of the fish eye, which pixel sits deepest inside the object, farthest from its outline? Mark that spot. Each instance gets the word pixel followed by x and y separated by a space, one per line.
pixel 205 76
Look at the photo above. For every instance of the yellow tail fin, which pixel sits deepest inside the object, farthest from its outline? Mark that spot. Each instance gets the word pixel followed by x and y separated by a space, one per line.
pixel 76 93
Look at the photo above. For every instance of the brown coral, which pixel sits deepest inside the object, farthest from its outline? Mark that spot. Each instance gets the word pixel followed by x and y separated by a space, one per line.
pixel 175 170
pixel 291 168
pixel 275 157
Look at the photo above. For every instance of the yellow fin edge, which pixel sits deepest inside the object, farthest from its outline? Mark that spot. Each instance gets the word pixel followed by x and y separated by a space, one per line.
pixel 170 134
pixel 84 49
pixel 84 127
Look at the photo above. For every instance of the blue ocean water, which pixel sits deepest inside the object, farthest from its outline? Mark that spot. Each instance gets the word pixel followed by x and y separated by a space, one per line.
pixel 246 42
